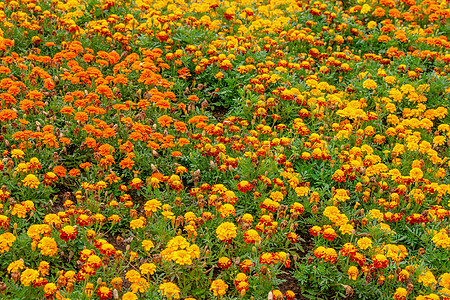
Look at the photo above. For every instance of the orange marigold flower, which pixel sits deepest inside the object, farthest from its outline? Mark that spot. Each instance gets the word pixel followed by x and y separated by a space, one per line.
pixel 165 121
pixel 60 171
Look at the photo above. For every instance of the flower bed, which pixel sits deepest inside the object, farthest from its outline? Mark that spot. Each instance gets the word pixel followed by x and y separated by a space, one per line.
pixel 210 150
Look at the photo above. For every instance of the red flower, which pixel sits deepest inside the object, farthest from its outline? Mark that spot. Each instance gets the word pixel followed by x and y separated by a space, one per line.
pixel 68 233
pixel 244 186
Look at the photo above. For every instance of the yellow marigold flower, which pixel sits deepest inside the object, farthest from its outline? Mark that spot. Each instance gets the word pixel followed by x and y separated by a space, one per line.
pixel 147 245
pixel 276 196
pixel 375 214
pixel 400 294
pixel 44 268
pixel 226 232
pixel 346 229
pixel 151 206
pixel 227 210
pixel 247 218
pixel 193 251
pixel 181 257
pixel 22 168
pixel 444 280
pixel 89 289
pixel 371 24
pixel 251 236
pixel 133 255
pixel 416 174
pixel 178 242
pixel 364 243
pixel 129 296
pixel 353 272
pixel 16 266
pixel 48 246
pixel 369 84
pixel 441 239
pixel 50 289
pixel 19 210
pixel 138 223
pixel 133 276
pixel 341 195
pixel 427 279
pixel 31 181
pixel 219 287
pixel 148 268
pixel 170 290
pixel 28 276
pixel 17 153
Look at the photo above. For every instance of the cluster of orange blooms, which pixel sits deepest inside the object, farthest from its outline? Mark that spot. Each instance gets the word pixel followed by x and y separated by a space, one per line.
pixel 122 179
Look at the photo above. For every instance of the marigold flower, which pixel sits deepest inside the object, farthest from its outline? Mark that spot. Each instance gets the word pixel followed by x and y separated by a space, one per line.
pixel 364 243
pixel 170 290
pixel 369 84
pixel 136 183
pixel 247 218
pixel 49 178
pixel 165 121
pixel 147 245
pixel 68 233
pixel 133 276
pixel 444 280
pixel 49 290
pixel 224 262
pixel 148 268
pixel 130 296
pixel 28 276
pixel 104 293
pixel 226 232
pixel 17 154
pixel 400 294
pixel 315 230
pixel 48 246
pixel 297 208
pixel 329 234
pixel 427 279
pixel 290 295
pixel 292 237
pixel 416 174
pixel 152 206
pixel 380 261
pixel 31 181
pixel 353 273
pixel 227 210
pixel 138 223
pixel 15 266
pixel 346 229
pixel 218 287
pixel 244 186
